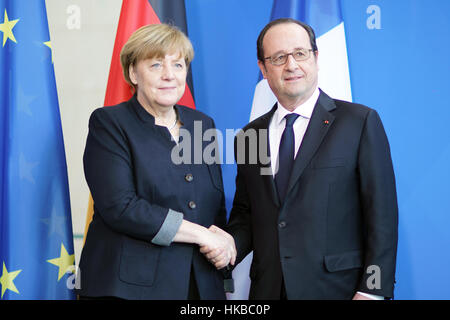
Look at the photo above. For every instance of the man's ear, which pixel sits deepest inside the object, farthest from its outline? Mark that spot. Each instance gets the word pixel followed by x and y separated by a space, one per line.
pixel 316 56
pixel 262 67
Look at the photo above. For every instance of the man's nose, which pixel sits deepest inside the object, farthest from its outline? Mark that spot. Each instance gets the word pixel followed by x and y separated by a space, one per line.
pixel 291 64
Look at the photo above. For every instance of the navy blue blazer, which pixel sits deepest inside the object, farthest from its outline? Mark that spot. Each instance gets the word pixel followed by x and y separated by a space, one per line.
pixel 134 183
pixel 338 223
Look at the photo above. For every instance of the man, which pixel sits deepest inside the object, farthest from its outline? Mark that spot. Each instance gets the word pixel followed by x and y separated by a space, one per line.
pixel 324 224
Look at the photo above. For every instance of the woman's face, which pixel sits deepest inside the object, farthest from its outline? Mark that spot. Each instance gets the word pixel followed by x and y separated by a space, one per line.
pixel 160 81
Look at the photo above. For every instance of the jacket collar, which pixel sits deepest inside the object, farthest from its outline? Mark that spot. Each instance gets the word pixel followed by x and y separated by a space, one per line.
pixel 146 117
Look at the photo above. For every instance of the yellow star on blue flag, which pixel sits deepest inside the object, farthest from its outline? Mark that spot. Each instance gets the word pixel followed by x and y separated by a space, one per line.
pixel 7 28
pixel 7 280
pixel 49 44
pixel 63 262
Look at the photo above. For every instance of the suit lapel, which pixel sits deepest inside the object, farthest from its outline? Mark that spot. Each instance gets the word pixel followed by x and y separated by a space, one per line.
pixel 267 176
pixel 319 124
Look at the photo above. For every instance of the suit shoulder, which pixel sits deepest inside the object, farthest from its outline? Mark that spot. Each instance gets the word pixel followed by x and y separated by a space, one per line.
pixel 252 124
pixel 110 114
pixel 352 106
pixel 260 122
pixel 353 109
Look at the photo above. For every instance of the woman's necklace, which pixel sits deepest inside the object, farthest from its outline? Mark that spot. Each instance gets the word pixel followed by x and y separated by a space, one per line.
pixel 174 124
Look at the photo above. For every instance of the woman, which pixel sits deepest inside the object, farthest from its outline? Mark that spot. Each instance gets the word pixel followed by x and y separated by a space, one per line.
pixel 151 215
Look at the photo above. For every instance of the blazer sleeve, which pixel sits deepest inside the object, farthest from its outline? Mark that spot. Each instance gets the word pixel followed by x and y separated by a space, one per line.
pixel 239 224
pixel 109 174
pixel 221 217
pixel 379 207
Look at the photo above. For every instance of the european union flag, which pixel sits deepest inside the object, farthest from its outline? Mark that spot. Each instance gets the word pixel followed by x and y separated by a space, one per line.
pixel 36 243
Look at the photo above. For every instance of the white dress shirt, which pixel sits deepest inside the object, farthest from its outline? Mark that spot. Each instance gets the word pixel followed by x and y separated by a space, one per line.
pixel 276 128
pixel 278 123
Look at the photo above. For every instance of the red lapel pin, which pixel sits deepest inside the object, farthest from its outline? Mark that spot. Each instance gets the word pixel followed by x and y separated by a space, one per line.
pixel 326 122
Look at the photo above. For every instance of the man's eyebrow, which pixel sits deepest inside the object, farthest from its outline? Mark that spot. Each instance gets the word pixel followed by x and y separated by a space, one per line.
pixel 284 52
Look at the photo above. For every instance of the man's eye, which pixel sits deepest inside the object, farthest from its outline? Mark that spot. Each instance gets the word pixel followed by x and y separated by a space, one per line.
pixel 299 54
pixel 279 58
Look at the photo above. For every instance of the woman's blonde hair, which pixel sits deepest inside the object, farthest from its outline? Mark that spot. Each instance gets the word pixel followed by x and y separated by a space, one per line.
pixel 154 41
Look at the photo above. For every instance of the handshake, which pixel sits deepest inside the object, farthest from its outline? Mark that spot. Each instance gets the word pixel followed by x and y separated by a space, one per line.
pixel 218 247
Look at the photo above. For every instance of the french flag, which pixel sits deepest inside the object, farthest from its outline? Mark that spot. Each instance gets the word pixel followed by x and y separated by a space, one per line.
pixel 325 17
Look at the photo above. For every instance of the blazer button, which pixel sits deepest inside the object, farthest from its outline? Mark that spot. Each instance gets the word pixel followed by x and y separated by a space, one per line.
pixel 189 177
pixel 192 205
pixel 282 224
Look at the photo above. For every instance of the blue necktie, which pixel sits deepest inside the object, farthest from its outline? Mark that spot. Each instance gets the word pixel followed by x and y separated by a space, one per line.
pixel 286 156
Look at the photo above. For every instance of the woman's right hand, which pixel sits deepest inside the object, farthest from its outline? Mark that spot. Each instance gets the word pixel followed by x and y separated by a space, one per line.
pixel 218 247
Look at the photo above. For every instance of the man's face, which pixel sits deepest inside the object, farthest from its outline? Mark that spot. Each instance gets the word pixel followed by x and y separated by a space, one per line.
pixel 295 81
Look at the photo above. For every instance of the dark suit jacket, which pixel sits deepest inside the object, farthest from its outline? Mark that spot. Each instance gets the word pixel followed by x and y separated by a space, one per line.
pixel 340 214
pixel 134 182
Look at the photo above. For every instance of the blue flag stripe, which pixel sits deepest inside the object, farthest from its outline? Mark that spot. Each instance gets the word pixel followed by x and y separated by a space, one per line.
pixel 322 15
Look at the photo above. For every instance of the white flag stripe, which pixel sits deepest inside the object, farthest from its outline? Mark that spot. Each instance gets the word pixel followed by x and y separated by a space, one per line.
pixel 241 277
pixel 334 76
pixel 263 100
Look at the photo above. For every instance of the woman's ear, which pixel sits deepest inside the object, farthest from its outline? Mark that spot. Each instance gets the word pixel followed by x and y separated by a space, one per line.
pixel 132 74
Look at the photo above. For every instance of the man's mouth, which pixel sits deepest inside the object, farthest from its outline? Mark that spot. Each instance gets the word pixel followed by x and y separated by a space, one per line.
pixel 293 78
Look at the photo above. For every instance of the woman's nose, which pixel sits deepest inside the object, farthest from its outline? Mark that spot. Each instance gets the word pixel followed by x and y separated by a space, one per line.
pixel 168 72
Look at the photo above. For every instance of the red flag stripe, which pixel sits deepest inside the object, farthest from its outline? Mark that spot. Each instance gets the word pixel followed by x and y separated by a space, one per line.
pixel 133 15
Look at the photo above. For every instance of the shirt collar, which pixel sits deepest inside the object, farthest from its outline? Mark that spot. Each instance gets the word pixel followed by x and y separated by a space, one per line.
pixel 305 110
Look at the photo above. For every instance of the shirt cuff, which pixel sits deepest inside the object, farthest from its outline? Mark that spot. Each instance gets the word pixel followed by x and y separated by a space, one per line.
pixel 168 229
pixel 371 296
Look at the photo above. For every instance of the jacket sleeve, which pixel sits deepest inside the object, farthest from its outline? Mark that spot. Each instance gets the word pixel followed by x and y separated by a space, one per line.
pixel 109 174
pixel 239 224
pixel 379 207
pixel 221 218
